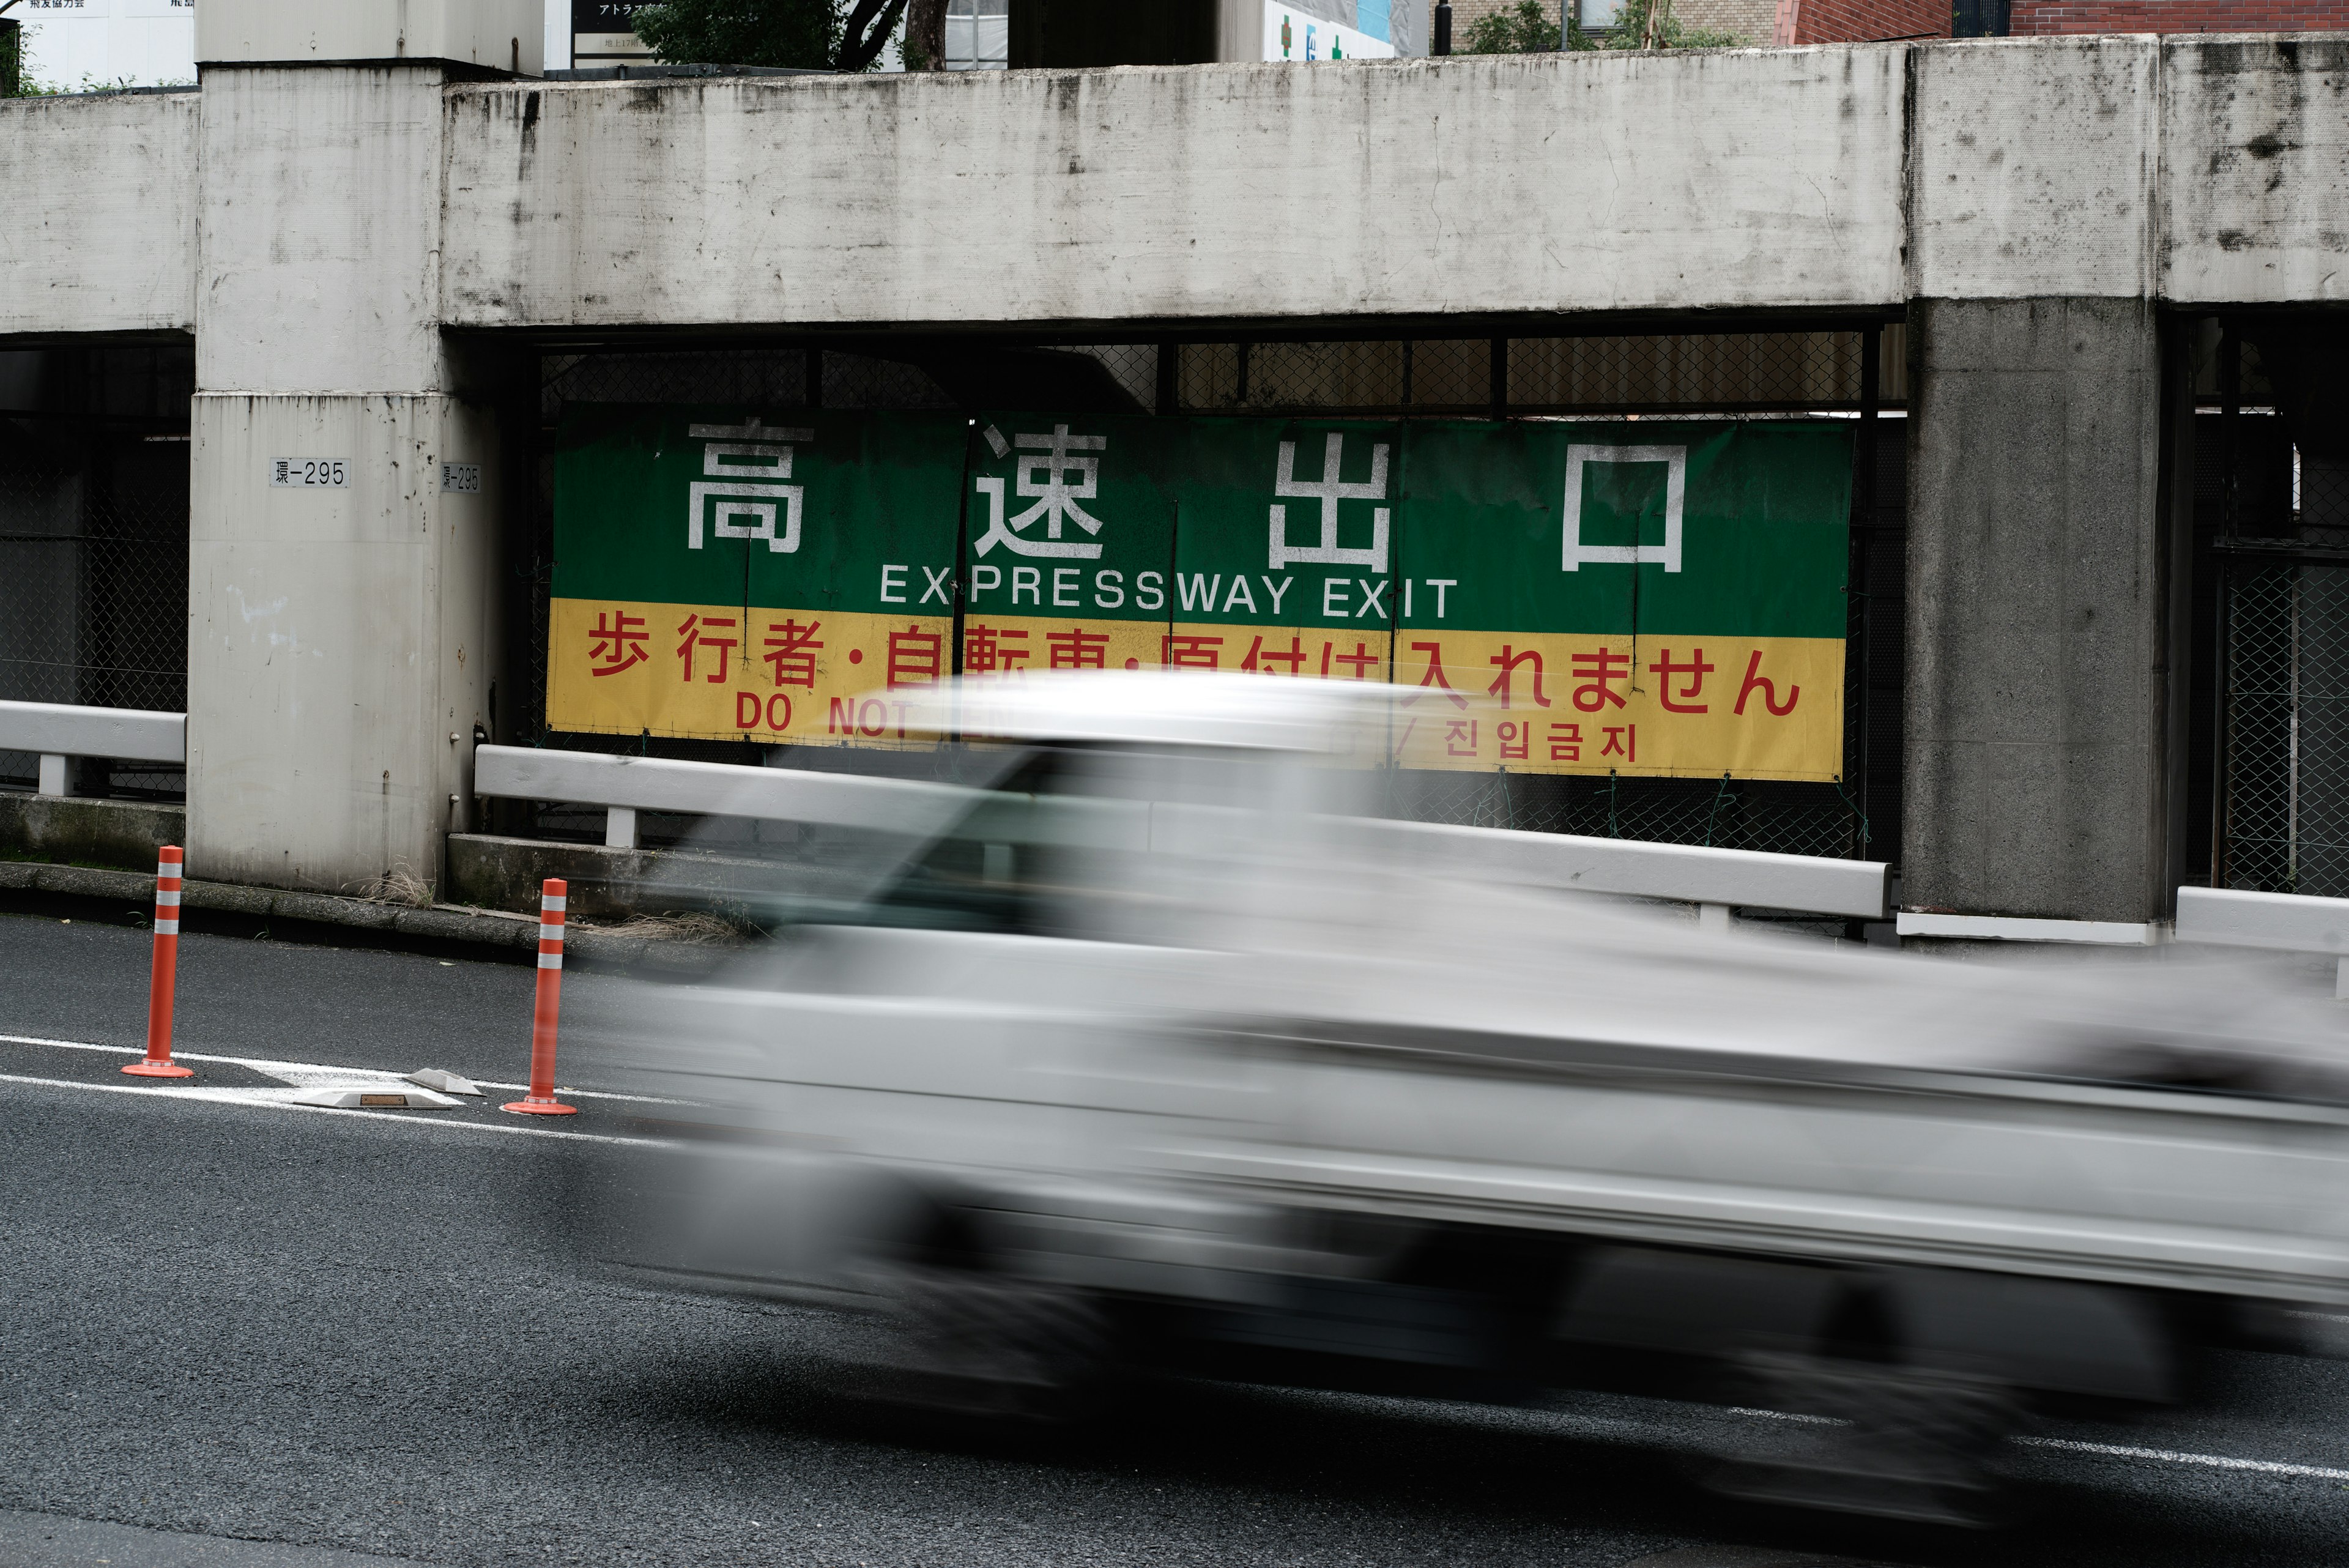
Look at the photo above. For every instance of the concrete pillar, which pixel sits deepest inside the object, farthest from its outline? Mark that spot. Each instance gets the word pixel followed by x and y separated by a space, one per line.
pixel 343 623
pixel 2039 612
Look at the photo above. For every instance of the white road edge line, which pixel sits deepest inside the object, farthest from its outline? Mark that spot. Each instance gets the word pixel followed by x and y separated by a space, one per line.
pixel 2107 1450
pixel 263 1063
pixel 235 1098
pixel 2174 1456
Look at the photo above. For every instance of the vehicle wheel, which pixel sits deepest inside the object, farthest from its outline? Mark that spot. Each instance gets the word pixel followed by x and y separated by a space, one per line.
pixel 1898 1442
pixel 970 1343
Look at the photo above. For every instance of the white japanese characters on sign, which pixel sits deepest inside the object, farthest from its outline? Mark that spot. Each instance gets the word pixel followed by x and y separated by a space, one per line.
pixel 309 473
pixel 1675 462
pixel 1330 490
pixel 737 457
pixel 1057 481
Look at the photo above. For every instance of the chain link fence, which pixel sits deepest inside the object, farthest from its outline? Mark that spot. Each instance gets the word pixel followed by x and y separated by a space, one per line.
pixel 1837 372
pixel 2273 509
pixel 94 544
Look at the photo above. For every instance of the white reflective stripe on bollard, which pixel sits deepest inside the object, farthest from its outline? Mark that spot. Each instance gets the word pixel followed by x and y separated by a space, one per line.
pixel 167 928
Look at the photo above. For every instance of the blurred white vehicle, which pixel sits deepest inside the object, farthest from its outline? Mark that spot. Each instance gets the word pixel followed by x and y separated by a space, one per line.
pixel 1161 1050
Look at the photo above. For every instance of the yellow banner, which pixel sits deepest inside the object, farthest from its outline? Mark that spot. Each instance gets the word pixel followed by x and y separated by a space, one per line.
pixel 1763 708
pixel 1012 645
pixel 813 677
pixel 1769 708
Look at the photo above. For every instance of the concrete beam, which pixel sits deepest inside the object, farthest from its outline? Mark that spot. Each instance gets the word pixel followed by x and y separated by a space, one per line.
pixel 2255 135
pixel 2196 170
pixel 98 233
pixel 1739 180
pixel 2036 164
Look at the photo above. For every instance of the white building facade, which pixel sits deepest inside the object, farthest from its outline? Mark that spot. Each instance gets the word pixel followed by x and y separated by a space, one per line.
pixel 70 44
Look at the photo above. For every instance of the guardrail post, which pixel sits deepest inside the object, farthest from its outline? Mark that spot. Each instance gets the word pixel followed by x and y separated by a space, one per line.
pixel 53 773
pixel 1713 917
pixel 620 828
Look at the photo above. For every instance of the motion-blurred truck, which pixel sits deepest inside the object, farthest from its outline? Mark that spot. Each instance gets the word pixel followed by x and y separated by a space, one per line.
pixel 1158 1047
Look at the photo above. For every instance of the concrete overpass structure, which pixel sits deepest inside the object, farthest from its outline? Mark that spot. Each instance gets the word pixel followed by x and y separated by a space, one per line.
pixel 360 221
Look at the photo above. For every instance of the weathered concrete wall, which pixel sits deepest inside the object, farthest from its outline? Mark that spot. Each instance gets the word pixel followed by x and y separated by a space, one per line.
pixel 2038 598
pixel 337 638
pixel 2256 132
pixel 1752 179
pixel 494 873
pixel 68 832
pixel 2199 170
pixel 97 214
pixel 2035 170
pixel 321 218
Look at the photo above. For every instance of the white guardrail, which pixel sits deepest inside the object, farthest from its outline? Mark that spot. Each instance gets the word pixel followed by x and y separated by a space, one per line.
pixel 57 731
pixel 1714 879
pixel 2287 922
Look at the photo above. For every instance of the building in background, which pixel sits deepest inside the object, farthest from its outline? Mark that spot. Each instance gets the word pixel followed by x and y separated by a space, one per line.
pixel 1752 21
pixel 999 35
pixel 109 43
pixel 603 33
pixel 978 35
pixel 1860 21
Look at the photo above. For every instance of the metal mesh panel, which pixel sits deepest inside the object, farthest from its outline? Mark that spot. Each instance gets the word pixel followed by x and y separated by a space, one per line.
pixel 1719 373
pixel 94 544
pixel 2286 823
pixel 1692 376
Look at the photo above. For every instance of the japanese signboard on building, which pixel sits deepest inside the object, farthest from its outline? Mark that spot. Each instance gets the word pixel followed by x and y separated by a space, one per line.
pixel 604 33
pixel 1640 598
pixel 725 572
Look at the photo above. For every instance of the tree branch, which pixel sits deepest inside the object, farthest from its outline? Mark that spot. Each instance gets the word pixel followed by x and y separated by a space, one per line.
pixel 866 32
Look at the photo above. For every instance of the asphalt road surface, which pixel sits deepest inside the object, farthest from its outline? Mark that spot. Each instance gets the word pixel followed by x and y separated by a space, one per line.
pixel 238 1333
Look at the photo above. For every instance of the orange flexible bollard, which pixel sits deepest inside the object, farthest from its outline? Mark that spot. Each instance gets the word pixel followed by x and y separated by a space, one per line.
pixel 541 1100
pixel 168 883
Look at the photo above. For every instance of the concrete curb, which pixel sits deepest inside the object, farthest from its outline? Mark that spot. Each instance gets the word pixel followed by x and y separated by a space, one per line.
pixel 440 923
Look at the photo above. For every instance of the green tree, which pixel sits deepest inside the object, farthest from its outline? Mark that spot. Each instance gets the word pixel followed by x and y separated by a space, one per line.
pixel 812 35
pixel 1526 30
pixel 1639 25
pixel 1650 25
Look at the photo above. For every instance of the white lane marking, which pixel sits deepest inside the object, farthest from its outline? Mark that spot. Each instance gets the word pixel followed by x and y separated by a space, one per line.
pixel 2107 1450
pixel 2174 1456
pixel 309 1073
pixel 261 1099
